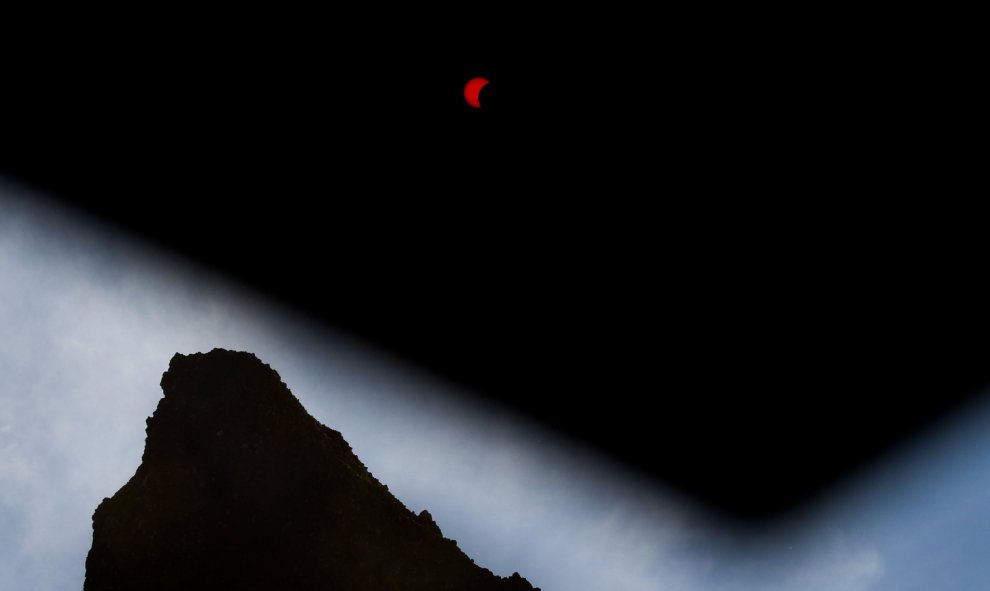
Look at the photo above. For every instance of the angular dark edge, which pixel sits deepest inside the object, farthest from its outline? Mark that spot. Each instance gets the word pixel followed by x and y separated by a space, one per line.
pixel 240 488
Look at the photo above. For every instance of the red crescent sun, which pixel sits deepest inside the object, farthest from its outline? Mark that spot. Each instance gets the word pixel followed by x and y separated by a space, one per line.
pixel 472 89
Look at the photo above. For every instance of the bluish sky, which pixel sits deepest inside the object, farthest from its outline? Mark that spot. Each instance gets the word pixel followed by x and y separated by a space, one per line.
pixel 90 318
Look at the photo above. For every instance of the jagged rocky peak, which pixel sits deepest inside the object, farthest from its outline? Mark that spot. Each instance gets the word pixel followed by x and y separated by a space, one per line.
pixel 240 488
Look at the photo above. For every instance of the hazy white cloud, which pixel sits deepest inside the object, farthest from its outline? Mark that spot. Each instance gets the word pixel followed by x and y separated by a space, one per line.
pixel 835 565
pixel 90 321
pixel 93 320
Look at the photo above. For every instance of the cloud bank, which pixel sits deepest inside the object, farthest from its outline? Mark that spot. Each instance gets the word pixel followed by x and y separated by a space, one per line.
pixel 91 318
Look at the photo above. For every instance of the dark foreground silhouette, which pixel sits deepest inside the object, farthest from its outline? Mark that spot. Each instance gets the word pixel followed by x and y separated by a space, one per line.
pixel 240 488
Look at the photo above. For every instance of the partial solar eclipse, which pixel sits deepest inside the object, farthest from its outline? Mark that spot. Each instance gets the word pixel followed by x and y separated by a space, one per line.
pixel 472 90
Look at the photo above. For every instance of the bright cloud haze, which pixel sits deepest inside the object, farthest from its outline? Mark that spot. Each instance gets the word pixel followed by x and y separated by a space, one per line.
pixel 91 317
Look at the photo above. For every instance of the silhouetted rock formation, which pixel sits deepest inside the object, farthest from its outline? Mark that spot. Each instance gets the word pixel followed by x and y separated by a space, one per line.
pixel 240 488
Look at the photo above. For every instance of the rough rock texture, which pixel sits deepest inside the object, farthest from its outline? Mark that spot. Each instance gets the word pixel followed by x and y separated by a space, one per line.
pixel 240 488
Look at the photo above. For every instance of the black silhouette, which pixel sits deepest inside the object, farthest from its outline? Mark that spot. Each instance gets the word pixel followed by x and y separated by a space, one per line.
pixel 240 488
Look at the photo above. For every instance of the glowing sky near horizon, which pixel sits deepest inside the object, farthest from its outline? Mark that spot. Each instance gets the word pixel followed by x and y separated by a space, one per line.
pixel 90 319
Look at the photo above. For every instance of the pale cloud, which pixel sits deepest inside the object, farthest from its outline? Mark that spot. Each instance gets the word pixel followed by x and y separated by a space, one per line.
pixel 837 565
pixel 89 324
pixel 91 319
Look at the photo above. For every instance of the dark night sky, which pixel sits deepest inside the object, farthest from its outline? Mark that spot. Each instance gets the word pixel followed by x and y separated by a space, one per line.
pixel 740 252
pixel 701 215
